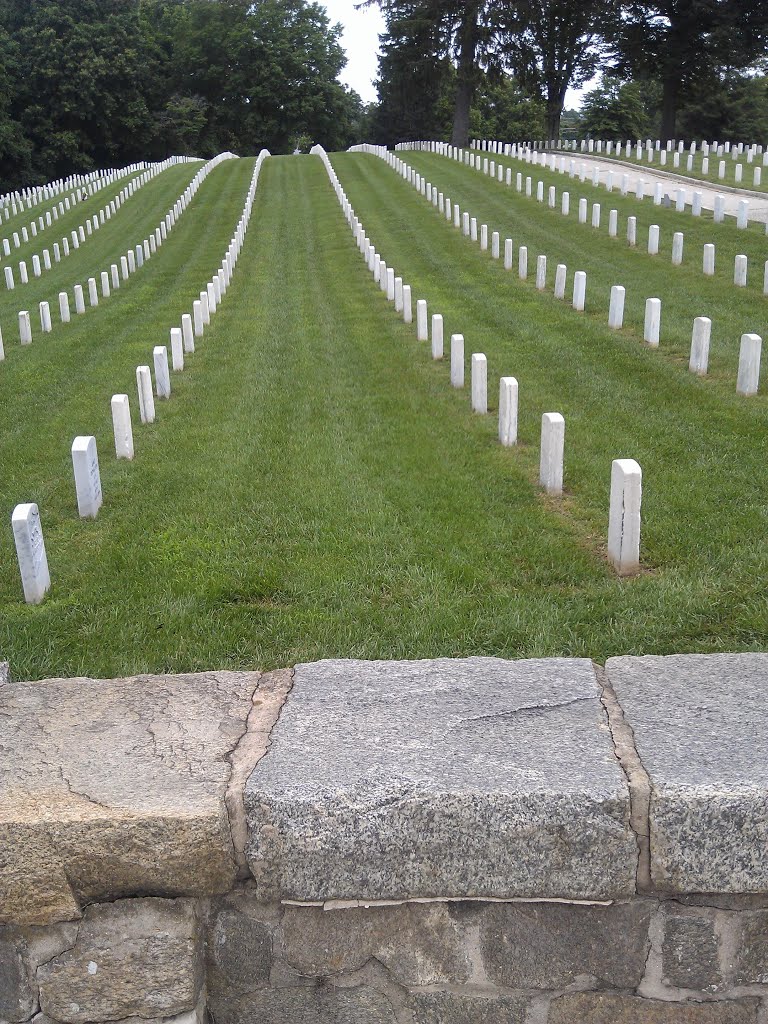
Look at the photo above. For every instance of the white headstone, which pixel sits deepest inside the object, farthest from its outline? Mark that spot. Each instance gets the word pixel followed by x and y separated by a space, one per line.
pixel 653 240
pixel 398 295
pixel 749 364
pixel 699 360
pixel 652 326
pixel 495 245
pixel 25 328
pixel 740 271
pixel 522 262
pixel 560 280
pixel 632 231
pixel 121 425
pixel 422 332
pixel 93 294
pixel 30 551
pixel 187 333
pixel 162 373
pixel 551 455
pixel 508 253
pixel 146 397
pixel 177 349
pixel 457 360
pixel 85 463
pixel 479 382
pixel 105 284
pixel 437 336
pixel 508 398
pixel 579 290
pixel 616 310
pixel 541 273
pixel 9 282
pixel 624 517
pixel 45 318
pixel 677 248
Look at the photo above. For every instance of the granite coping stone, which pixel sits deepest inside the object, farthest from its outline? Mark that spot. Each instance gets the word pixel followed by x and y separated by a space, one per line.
pixel 460 778
pixel 700 725
pixel 111 788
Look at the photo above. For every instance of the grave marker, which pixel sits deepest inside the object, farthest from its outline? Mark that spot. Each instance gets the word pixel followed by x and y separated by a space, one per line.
pixel 740 272
pixel 699 360
pixel 177 349
pixel 25 328
pixel 579 290
pixel 709 260
pixel 479 382
pixel 146 397
pixel 162 374
pixel 652 326
pixel 437 336
pixel 187 333
pixel 421 320
pixel 457 360
pixel 30 551
pixel 93 295
pixel 624 516
pixel 79 299
pixel 616 309
pixel 551 455
pixel 749 364
pixel 560 280
pixel 45 318
pixel 85 463
pixel 508 400
pixel 121 426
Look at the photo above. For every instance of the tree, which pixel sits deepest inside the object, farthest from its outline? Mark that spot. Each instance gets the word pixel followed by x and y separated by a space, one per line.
pixel 553 45
pixel 684 44
pixel 502 110
pixel 616 110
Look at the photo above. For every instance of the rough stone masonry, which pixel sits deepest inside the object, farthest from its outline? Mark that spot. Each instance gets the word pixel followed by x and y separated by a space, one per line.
pixel 423 842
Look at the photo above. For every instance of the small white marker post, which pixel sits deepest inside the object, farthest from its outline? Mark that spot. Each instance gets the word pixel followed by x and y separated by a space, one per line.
pixel 9 282
pixel 45 318
pixel 616 310
pixel 522 262
pixel 632 231
pixel 541 273
pixel 652 326
pixel 25 328
pixel 457 360
pixel 677 248
pixel 30 551
pixel 479 381
pixel 162 374
pixel 115 273
pixel 709 260
pixel 398 295
pixel 146 397
pixel 653 240
pixel 93 294
pixel 187 333
pixel 495 245
pixel 437 336
pixel 177 349
pixel 105 284
pixel 749 364
pixel 422 332
pixel 699 360
pixel 624 516
pixel 560 280
pixel 551 455
pixel 579 290
pixel 390 284
pixel 740 271
pixel 508 253
pixel 508 398
pixel 407 305
pixel 197 315
pixel 85 463
pixel 121 425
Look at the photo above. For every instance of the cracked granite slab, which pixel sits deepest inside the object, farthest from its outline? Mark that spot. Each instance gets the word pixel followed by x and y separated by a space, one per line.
pixel 116 787
pixel 700 724
pixel 445 778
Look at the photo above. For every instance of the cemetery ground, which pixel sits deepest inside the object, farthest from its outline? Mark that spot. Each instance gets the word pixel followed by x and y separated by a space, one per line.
pixel 315 488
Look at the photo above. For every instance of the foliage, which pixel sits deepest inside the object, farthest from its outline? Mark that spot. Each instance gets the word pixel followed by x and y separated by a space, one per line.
pixel 104 82
pixel 616 110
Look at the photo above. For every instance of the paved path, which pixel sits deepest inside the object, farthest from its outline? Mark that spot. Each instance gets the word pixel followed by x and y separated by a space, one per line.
pixel 758 202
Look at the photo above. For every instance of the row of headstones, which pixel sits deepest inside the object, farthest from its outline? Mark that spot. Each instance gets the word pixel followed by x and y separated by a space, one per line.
pixel 740 262
pixel 80 234
pixel 748 375
pixel 25 520
pixel 553 163
pixel 16 202
pixel 596 146
pixel 132 261
pixel 626 475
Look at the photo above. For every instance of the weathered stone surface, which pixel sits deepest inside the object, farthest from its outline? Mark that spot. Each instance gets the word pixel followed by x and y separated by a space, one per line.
pixel 598 1008
pixel 5 673
pixel 419 944
pixel 701 729
pixel 239 948
pixel 311 1006
pixel 112 787
pixel 752 963
pixel 133 958
pixel 458 1008
pixel 17 995
pixel 480 777
pixel 548 946
pixel 690 951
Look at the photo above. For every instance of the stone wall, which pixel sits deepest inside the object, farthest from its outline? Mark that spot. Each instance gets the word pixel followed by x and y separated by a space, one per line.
pixel 437 842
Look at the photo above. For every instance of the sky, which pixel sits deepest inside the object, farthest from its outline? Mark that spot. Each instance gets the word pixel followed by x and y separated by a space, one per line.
pixel 361 42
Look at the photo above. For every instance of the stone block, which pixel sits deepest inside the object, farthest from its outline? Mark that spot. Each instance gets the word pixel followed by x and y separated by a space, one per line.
pixel 239 949
pixel 690 951
pixel 139 957
pixel 701 729
pixel 458 778
pixel 602 1008
pixel 460 1008
pixel 418 943
pixel 112 787
pixel 324 1005
pixel 18 995
pixel 751 966
pixel 549 945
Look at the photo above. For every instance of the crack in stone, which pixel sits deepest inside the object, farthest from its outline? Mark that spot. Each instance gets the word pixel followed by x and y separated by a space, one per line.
pixel 638 780
pixel 528 709
pixel 84 796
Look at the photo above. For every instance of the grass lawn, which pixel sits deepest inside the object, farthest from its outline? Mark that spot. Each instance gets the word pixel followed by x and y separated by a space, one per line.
pixel 315 488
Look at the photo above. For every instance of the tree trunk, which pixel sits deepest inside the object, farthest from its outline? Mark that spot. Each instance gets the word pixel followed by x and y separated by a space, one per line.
pixel 669 107
pixel 465 76
pixel 554 113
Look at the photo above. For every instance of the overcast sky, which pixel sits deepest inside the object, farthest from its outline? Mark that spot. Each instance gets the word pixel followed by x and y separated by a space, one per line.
pixel 361 42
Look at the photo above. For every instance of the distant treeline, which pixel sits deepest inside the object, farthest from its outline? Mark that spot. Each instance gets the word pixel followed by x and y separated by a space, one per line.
pixel 96 83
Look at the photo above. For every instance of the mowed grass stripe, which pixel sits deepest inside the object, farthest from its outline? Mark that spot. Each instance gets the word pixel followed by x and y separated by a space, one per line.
pixel 312 489
pixel 702 447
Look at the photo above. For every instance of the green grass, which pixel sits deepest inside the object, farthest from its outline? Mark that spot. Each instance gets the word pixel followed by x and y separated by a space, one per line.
pixel 315 488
